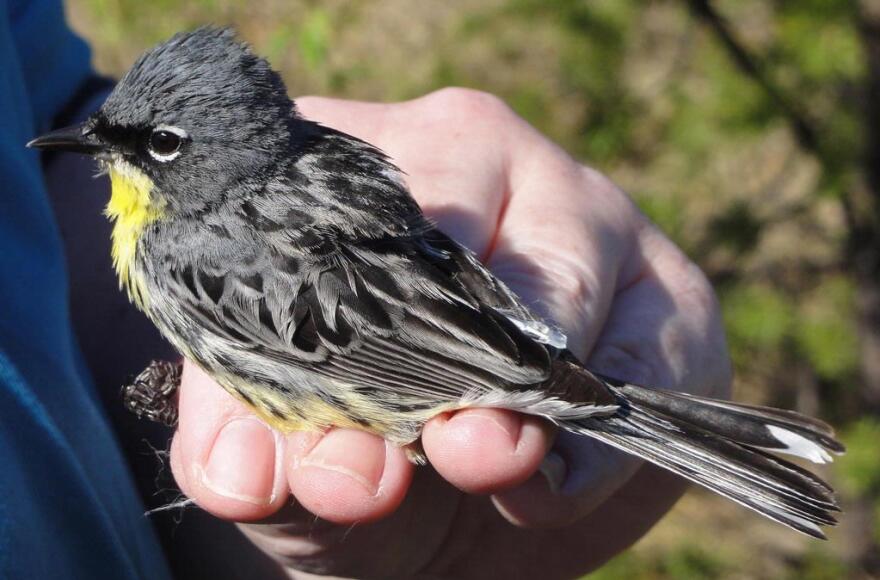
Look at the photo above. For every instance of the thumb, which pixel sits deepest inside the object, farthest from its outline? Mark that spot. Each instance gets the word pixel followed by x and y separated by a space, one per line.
pixel 223 456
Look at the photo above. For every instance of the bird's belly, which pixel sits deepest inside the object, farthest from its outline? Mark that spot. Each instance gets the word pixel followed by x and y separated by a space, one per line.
pixel 287 397
pixel 310 409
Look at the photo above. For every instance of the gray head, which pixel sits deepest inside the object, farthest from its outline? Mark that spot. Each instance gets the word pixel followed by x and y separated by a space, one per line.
pixel 197 115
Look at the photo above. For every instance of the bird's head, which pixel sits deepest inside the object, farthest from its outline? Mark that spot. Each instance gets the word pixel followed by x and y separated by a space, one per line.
pixel 195 117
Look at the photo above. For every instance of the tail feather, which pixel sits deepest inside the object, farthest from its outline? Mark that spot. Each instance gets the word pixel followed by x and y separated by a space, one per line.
pixel 721 447
pixel 755 461
pixel 763 427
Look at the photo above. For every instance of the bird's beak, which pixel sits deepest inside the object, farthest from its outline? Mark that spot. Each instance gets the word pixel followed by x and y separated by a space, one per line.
pixel 76 139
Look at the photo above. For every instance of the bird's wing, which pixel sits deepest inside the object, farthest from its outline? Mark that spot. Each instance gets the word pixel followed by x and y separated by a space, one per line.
pixel 399 311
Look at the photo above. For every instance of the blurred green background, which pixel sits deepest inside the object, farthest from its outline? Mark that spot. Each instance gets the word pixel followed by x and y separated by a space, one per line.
pixel 749 130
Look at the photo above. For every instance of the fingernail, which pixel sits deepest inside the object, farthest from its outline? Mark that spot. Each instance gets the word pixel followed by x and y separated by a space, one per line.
pixel 554 469
pixel 334 453
pixel 242 462
pixel 508 423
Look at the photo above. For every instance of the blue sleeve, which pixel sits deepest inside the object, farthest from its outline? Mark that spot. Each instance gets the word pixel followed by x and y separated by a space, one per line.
pixel 54 61
pixel 68 506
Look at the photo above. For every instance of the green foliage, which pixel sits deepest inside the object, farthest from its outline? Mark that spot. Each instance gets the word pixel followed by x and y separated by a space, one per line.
pixel 530 104
pixel 627 565
pixel 594 40
pixel 685 562
pixel 692 563
pixel 826 333
pixel 818 39
pixel 314 38
pixel 818 564
pixel 281 40
pixel 736 107
pixel 860 467
pixel 666 212
pixel 757 318
pixel 819 329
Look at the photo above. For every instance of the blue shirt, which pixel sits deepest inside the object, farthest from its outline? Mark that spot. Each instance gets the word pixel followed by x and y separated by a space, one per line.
pixel 68 506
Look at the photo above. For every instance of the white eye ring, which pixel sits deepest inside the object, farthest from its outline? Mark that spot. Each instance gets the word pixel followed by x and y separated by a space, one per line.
pixel 165 157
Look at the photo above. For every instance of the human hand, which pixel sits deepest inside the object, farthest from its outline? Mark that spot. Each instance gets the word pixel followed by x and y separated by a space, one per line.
pixel 571 244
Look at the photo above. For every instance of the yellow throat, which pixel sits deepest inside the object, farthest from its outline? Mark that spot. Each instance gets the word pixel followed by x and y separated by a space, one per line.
pixel 131 208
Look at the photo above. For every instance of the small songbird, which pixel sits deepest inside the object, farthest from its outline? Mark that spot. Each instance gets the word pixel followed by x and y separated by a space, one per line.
pixel 290 262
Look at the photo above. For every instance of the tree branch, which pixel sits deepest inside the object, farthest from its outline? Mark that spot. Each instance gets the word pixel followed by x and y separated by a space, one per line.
pixel 804 130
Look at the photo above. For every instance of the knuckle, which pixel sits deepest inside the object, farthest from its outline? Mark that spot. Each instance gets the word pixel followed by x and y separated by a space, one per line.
pixel 702 360
pixel 557 285
pixel 611 205
pixel 597 181
pixel 689 284
pixel 696 291
pixel 551 272
pixel 577 283
pixel 468 105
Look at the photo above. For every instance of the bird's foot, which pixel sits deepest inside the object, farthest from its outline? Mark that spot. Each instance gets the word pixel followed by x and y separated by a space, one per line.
pixel 152 394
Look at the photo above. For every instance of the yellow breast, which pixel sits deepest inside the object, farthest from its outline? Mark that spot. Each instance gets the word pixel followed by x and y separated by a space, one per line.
pixel 132 208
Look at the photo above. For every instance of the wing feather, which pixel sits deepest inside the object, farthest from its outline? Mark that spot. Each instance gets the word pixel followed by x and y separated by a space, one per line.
pixel 418 334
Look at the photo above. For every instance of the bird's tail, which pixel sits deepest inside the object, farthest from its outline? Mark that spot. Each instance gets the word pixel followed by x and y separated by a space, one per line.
pixel 724 447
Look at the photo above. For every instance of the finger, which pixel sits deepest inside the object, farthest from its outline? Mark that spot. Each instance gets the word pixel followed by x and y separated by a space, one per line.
pixel 486 450
pixel 564 242
pixel 347 476
pixel 575 550
pixel 579 474
pixel 396 547
pixel 224 458
pixel 564 245
pixel 680 343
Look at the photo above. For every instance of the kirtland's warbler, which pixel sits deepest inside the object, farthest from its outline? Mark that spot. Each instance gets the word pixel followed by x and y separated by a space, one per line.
pixel 290 262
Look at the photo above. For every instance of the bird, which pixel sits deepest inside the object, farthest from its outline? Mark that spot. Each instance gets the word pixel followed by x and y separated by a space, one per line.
pixel 291 263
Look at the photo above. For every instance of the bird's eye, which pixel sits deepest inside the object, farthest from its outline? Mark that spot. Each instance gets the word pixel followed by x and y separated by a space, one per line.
pixel 165 142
